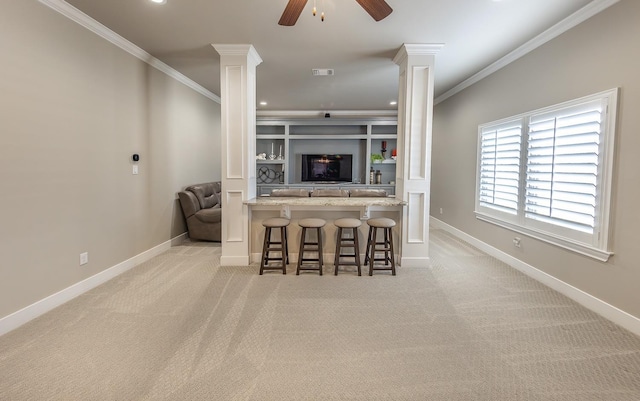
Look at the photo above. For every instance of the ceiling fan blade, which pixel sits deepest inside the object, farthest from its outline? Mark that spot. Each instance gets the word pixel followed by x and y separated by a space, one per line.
pixel 291 12
pixel 378 9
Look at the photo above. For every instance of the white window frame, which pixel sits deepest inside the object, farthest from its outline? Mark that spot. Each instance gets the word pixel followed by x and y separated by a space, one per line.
pixel 594 245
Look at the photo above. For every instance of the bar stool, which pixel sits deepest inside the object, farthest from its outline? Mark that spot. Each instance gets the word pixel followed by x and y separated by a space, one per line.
pixel 316 224
pixel 385 246
pixel 268 245
pixel 346 242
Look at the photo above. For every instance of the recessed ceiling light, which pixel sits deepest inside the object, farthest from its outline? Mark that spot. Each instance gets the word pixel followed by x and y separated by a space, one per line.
pixel 263 103
pixel 393 102
pixel 158 1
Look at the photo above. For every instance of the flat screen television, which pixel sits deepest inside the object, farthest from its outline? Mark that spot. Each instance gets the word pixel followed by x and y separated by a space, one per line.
pixel 325 168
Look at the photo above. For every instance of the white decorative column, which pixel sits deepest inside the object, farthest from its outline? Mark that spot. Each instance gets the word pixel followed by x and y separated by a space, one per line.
pixel 413 168
pixel 238 114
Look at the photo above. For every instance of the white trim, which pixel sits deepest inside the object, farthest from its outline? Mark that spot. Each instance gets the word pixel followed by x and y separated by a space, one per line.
pixel 320 114
pixel 26 314
pixel 609 312
pixel 234 260
pixel 247 51
pixel 550 238
pixel 416 49
pixel 594 245
pixel 94 26
pixel 561 27
pixel 406 261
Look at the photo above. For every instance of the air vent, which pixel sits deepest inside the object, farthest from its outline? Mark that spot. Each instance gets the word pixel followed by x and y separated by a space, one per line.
pixel 317 72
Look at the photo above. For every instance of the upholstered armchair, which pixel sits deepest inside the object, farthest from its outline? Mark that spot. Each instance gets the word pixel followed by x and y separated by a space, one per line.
pixel 201 206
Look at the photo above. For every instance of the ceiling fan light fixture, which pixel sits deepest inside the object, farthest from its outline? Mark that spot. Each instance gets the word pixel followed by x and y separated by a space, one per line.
pixel 377 9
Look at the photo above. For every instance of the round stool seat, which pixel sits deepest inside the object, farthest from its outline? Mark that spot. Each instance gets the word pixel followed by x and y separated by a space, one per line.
pixel 275 222
pixel 312 223
pixel 381 222
pixel 347 222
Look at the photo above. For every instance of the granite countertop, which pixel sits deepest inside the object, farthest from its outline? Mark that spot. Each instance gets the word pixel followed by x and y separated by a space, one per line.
pixel 323 201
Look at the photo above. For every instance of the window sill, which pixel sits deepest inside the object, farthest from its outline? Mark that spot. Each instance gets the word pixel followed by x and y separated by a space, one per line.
pixel 565 243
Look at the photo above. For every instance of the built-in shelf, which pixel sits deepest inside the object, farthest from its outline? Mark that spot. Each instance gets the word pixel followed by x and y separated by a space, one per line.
pixel 359 137
pixel 384 162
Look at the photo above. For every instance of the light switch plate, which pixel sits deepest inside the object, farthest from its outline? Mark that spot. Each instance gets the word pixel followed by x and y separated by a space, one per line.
pixel 135 169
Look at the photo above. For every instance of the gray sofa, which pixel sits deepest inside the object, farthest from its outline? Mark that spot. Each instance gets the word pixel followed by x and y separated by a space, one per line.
pixel 201 205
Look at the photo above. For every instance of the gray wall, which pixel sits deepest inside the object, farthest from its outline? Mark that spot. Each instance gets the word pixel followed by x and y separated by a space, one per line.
pixel 599 54
pixel 73 109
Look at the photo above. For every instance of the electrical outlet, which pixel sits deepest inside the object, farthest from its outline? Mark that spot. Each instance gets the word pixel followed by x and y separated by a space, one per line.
pixel 84 258
pixel 517 242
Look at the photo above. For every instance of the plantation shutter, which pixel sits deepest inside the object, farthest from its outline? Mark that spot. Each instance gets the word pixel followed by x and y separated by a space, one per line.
pixel 500 166
pixel 562 166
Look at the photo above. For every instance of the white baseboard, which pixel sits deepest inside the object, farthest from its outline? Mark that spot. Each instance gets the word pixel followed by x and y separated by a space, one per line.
pixel 24 315
pixel 414 262
pixel 234 261
pixel 590 302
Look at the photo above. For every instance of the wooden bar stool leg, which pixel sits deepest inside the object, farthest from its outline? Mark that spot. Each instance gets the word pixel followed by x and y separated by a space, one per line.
pixel 372 255
pixel 301 253
pixel 283 246
pixel 366 253
pixel 286 244
pixel 320 261
pixel 356 249
pixel 336 259
pixel 386 246
pixel 393 257
pixel 265 247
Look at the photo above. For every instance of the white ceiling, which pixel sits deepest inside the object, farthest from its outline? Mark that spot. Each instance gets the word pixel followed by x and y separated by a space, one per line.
pixel 475 34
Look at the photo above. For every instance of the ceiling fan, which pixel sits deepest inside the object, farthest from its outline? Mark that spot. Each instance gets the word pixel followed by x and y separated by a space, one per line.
pixel 378 9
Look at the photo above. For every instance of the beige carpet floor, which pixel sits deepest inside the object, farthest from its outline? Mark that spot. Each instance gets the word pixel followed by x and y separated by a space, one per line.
pixel 180 327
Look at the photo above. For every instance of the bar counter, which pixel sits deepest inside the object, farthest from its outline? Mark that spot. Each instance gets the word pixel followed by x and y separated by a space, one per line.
pixel 324 201
pixel 327 208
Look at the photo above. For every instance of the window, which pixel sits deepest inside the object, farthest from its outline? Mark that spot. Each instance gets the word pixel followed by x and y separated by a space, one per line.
pixel 547 173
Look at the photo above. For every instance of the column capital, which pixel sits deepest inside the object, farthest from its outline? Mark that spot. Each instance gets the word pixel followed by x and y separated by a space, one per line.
pixel 412 49
pixel 239 50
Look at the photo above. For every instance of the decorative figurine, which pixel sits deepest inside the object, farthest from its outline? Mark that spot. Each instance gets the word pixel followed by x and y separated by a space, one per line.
pixel 272 156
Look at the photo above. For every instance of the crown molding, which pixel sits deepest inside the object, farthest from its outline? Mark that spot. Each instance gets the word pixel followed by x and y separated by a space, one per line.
pixel 561 27
pixel 94 26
